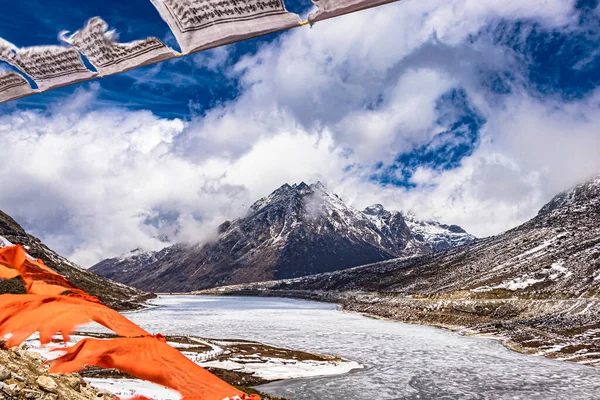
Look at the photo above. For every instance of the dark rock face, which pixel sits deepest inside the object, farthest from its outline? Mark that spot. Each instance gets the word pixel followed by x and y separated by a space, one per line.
pixel 114 294
pixel 296 231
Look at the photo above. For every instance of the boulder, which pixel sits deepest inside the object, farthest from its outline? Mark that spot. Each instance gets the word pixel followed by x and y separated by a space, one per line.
pixel 47 383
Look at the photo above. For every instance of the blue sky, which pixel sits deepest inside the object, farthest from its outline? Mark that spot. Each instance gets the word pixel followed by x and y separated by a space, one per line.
pixel 173 89
pixel 459 110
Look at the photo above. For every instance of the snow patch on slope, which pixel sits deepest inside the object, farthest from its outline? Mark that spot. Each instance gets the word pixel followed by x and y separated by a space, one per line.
pixel 555 272
pixel 434 233
pixel 4 242
pixel 559 270
pixel 518 283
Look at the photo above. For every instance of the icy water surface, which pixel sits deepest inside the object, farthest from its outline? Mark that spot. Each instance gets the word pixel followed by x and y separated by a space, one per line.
pixel 401 361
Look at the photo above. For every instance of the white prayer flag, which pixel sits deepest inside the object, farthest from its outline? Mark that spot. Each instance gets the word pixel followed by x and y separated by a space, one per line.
pixel 109 57
pixel 48 66
pixel 203 24
pixel 7 50
pixel 335 8
pixel 13 86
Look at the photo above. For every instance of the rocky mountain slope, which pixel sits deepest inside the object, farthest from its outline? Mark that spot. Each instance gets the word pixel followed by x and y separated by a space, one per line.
pixel 114 294
pixel 420 236
pixel 556 254
pixel 296 231
pixel 536 286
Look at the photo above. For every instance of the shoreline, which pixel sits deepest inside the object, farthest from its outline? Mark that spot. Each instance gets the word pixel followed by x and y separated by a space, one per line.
pixel 582 348
pixel 458 329
pixel 469 331
pixel 241 363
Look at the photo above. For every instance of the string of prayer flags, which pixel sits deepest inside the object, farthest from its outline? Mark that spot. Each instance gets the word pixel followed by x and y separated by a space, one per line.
pixel 204 24
pixel 99 46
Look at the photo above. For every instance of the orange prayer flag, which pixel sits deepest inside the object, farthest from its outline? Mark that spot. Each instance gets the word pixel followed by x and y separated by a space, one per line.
pixel 151 359
pixel 8 272
pixel 38 278
pixel 8 257
pixel 44 310
pixel 23 315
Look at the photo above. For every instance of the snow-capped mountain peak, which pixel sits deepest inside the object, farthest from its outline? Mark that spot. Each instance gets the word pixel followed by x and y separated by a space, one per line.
pixel 435 235
pixel 375 210
pixel 296 230
pixel 423 236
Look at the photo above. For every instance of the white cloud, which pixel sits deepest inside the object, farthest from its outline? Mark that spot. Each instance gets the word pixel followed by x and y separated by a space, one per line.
pixel 94 184
pixel 530 152
pixel 288 157
pixel 319 104
pixel 409 109
pixel 214 59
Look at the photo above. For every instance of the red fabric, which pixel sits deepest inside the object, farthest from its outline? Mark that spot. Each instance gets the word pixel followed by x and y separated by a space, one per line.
pixel 147 358
pixel 8 257
pixel 38 278
pixel 24 314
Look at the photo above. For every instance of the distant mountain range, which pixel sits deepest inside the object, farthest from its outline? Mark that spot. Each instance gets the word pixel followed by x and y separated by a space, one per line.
pixel 557 253
pixel 296 231
pixel 116 295
pixel 536 286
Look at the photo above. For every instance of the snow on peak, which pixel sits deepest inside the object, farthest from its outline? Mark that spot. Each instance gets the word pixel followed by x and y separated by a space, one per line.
pixel 440 236
pixel 322 203
pixel 375 209
pixel 318 186
pixel 430 234
pixel 302 188
pixel 318 204
pixel 138 253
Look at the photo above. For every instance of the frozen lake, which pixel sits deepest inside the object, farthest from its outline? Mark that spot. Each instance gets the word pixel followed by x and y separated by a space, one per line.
pixel 401 361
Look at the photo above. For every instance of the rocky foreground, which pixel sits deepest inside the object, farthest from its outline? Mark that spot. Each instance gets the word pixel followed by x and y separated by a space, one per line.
pixel 241 363
pixel 22 376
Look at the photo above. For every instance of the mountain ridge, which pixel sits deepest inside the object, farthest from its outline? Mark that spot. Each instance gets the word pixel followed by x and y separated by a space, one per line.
pixel 536 286
pixel 571 217
pixel 296 230
pixel 114 294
